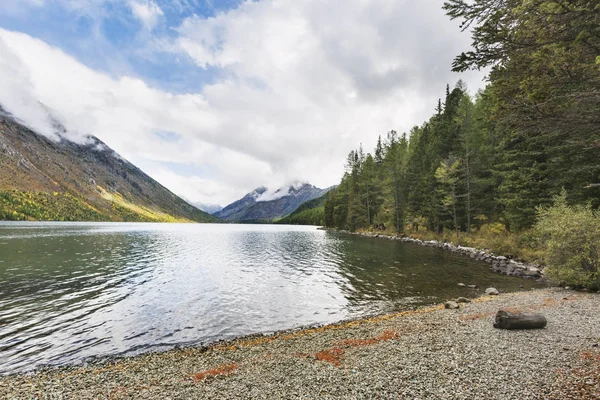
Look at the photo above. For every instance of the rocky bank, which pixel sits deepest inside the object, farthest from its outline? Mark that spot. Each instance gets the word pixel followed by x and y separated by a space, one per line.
pixel 500 264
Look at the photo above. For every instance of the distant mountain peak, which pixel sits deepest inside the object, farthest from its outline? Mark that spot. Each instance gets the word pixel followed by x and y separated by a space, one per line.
pixel 256 193
pixel 283 191
pixel 209 208
pixel 263 204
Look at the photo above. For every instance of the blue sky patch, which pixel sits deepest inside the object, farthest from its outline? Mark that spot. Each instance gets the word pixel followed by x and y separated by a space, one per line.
pixel 109 38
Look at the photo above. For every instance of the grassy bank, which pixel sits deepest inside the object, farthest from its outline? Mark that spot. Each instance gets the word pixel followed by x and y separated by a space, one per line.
pixel 524 246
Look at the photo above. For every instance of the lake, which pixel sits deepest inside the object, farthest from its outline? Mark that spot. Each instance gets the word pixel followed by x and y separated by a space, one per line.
pixel 71 291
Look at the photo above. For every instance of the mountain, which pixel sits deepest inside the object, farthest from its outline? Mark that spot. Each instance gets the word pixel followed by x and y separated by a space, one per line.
pixel 262 205
pixel 311 212
pixel 236 210
pixel 209 208
pixel 44 179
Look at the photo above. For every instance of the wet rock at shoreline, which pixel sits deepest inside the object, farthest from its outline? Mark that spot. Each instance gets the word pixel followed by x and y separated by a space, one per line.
pixel 500 264
pixel 451 305
pixel 492 291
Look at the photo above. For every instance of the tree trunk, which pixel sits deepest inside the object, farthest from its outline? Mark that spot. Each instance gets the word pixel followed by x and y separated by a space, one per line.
pixel 396 203
pixel 517 320
pixel 368 210
pixel 468 166
pixel 454 211
pixel 468 196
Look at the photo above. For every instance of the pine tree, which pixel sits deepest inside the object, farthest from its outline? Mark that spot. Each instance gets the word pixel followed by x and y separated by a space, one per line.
pixel 546 81
pixel 447 174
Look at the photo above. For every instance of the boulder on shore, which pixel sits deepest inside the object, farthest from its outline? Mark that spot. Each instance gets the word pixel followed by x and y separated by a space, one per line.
pixel 519 320
pixel 492 291
pixel 451 305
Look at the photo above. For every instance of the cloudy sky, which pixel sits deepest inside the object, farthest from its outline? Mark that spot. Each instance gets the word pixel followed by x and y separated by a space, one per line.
pixel 216 97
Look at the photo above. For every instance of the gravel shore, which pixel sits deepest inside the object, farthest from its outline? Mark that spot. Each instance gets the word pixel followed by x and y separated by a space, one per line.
pixel 430 353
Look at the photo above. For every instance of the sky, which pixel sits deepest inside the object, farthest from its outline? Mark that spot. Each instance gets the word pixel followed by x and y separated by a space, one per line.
pixel 214 98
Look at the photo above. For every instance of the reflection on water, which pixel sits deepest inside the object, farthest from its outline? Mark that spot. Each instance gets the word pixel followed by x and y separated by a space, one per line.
pixel 69 291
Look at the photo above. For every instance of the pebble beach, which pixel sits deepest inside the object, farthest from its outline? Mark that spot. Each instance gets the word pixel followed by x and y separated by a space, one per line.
pixel 427 353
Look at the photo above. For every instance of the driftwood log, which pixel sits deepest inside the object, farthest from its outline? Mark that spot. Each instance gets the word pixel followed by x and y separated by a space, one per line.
pixel 518 320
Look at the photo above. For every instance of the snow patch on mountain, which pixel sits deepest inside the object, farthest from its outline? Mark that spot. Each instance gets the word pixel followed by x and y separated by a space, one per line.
pixel 284 191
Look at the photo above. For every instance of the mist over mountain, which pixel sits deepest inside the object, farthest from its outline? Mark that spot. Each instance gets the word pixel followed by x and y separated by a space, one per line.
pixel 263 204
pixel 49 177
pixel 209 208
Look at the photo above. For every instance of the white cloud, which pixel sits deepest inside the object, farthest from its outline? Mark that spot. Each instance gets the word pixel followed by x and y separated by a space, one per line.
pixel 13 7
pixel 274 194
pixel 195 189
pixel 127 114
pixel 17 94
pixel 304 82
pixel 146 11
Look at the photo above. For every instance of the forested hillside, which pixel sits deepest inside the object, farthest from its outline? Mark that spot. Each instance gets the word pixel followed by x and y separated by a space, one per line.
pixel 494 157
pixel 311 212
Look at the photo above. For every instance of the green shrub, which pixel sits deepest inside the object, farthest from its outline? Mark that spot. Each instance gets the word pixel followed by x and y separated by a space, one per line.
pixel 571 241
pixel 18 205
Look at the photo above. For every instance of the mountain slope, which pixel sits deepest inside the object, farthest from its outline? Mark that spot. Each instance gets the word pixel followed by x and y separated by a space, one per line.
pixel 311 212
pixel 208 208
pixel 235 211
pixel 41 179
pixel 262 205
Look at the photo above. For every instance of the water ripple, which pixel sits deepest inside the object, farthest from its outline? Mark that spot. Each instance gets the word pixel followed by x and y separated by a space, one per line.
pixel 71 291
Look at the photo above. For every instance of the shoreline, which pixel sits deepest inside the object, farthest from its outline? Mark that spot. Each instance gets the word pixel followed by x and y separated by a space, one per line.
pixel 501 264
pixel 243 340
pixel 358 358
pixel 239 341
pixel 268 335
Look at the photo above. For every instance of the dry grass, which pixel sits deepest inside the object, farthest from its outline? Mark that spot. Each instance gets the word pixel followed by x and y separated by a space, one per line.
pixel 579 383
pixel 222 370
pixel 547 302
pixel 332 356
pixel 384 337
pixel 495 237
pixel 145 212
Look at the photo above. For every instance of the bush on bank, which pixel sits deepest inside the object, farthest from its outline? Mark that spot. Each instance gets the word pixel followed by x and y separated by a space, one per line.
pixel 492 236
pixel 570 239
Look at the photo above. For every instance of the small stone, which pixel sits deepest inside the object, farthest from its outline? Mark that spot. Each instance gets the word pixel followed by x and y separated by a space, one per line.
pixel 463 300
pixel 452 305
pixel 492 291
pixel 461 285
pixel 472 286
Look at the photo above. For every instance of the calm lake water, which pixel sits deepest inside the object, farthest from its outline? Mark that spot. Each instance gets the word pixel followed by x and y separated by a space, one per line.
pixel 70 291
